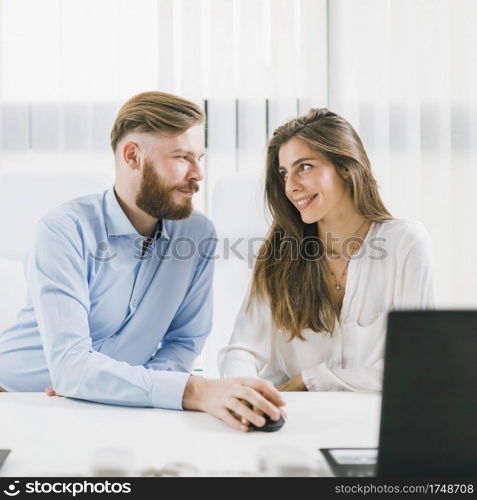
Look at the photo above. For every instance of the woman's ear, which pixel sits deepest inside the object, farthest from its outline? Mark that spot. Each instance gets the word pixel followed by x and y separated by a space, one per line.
pixel 346 174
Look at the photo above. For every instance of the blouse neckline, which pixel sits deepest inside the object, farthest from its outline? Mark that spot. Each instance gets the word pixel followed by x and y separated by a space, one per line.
pixel 354 263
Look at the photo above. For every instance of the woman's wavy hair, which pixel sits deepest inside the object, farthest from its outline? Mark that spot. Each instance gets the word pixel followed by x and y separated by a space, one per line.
pixel 289 273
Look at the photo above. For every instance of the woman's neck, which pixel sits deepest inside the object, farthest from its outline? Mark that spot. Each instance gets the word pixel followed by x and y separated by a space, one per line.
pixel 342 229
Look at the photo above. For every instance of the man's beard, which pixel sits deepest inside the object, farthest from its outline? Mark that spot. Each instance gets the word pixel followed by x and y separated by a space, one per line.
pixel 155 197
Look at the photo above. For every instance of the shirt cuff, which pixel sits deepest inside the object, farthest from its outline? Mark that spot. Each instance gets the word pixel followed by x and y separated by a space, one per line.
pixel 316 378
pixel 168 389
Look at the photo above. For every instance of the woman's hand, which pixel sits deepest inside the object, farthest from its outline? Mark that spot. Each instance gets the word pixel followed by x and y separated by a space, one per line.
pixel 49 391
pixel 294 384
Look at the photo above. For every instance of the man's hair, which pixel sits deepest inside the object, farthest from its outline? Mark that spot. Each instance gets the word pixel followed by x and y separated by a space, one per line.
pixel 155 112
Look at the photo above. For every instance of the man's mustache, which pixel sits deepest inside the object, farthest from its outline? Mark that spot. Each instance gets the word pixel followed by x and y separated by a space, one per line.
pixel 191 186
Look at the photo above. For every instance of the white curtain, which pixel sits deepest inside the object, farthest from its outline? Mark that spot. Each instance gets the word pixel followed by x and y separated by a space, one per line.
pixel 404 73
pixel 67 65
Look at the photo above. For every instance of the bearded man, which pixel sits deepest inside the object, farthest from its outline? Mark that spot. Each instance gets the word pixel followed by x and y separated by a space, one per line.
pixel 120 283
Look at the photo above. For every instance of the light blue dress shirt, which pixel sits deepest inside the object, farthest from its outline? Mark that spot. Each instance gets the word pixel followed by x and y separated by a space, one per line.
pixel 98 307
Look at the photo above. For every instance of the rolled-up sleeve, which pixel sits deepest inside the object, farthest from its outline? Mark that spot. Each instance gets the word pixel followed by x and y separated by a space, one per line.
pixel 361 379
pixel 57 276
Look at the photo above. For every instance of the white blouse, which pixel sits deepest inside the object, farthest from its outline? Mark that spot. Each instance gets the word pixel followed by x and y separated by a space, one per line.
pixel 392 270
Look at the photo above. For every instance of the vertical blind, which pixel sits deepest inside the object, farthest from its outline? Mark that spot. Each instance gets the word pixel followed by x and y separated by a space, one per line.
pixel 403 72
pixel 66 67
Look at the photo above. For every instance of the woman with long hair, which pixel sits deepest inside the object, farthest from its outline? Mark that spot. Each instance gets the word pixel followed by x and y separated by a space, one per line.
pixel 333 264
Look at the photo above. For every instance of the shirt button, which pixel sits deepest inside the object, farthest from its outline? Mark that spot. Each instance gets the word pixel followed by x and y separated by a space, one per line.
pixel 134 303
pixel 115 335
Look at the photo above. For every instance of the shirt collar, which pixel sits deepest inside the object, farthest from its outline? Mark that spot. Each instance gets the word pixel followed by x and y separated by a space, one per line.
pixel 117 222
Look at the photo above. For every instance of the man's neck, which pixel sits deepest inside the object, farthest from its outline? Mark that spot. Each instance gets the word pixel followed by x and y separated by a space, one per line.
pixel 144 224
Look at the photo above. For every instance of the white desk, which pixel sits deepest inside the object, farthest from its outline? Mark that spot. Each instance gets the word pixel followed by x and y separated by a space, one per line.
pixel 52 436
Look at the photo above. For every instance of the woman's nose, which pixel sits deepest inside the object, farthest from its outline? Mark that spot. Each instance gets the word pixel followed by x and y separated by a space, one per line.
pixel 292 186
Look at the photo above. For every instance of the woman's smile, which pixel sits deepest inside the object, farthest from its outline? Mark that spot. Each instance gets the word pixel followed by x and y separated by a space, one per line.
pixel 303 203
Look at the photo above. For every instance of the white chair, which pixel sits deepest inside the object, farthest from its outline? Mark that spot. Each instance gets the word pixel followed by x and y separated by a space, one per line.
pixel 239 215
pixel 25 196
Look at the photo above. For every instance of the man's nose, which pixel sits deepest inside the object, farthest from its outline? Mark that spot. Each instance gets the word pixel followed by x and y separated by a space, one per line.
pixel 195 171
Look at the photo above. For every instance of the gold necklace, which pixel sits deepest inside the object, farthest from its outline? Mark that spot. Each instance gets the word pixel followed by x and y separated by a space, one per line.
pixel 338 285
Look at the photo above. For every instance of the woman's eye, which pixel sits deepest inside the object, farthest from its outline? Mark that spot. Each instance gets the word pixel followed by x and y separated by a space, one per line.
pixel 282 174
pixel 305 167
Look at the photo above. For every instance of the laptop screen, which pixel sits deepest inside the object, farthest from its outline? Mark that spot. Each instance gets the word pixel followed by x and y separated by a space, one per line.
pixel 429 406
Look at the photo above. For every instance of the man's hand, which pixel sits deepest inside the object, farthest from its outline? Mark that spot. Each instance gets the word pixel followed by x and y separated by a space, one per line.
pixel 49 391
pixel 294 384
pixel 237 401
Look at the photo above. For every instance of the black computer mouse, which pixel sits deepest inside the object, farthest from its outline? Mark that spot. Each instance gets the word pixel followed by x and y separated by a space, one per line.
pixel 270 425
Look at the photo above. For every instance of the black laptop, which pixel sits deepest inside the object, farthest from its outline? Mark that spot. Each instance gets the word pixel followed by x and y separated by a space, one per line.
pixel 429 405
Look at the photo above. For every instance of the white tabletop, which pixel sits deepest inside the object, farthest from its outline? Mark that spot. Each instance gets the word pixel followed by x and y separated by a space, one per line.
pixel 53 436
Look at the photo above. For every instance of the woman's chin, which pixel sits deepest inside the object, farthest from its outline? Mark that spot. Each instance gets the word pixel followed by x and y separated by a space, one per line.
pixel 309 218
